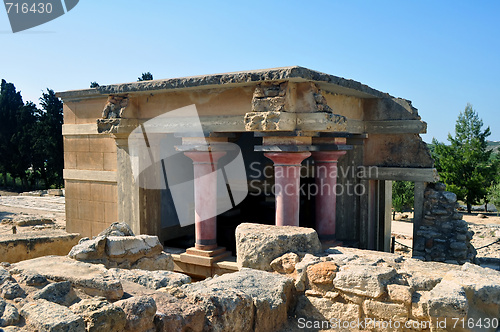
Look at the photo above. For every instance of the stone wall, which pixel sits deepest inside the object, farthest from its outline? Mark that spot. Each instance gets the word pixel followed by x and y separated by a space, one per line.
pixel 442 236
pixel 343 285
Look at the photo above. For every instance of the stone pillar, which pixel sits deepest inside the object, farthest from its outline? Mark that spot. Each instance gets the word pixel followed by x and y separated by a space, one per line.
pixel 205 197
pixel 326 197
pixel 287 185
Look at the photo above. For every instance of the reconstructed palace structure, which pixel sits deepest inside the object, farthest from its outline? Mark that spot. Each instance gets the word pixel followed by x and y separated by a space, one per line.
pixel 122 141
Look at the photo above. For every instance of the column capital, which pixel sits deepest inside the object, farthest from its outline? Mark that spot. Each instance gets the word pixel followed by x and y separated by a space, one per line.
pixel 287 158
pixel 205 157
pixel 327 156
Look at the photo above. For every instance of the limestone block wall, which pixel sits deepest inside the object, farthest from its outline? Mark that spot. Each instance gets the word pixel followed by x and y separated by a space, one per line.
pixel 345 285
pixel 443 236
pixel 90 165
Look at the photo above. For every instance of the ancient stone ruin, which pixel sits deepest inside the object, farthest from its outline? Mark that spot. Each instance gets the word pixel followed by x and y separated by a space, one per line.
pixel 175 239
pixel 294 285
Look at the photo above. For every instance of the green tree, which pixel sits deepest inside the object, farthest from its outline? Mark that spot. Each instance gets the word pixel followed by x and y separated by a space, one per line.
pixel 402 196
pixel 49 141
pixel 466 165
pixel 145 77
pixel 94 84
pixel 11 103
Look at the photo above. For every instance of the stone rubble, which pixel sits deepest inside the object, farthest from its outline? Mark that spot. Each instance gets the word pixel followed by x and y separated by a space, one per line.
pixel 118 247
pixel 443 236
pixel 63 294
pixel 258 245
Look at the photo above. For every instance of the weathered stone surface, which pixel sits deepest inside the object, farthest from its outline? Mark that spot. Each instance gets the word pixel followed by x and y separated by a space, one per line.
pixel 419 305
pixel 117 229
pixel 385 311
pixel 482 283
pixel 286 263
pixel 33 279
pixel 10 289
pixel 447 299
pixel 163 261
pixel 325 309
pixel 132 248
pixel 93 279
pixel 152 279
pixel 60 292
pixel 8 314
pixel 28 245
pixel 4 275
pixel 272 294
pixel 258 245
pixel 100 315
pixel 22 220
pixel 322 273
pixel 89 250
pixel 301 268
pixel 175 315
pixel 226 309
pixel 442 236
pixel 399 293
pixel 140 313
pixel 42 315
pixel 363 280
pixel 422 276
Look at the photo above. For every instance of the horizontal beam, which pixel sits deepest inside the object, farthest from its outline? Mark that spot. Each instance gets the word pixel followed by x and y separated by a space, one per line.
pixel 399 174
pixel 235 123
pixel 84 175
pixel 396 127
pixel 79 129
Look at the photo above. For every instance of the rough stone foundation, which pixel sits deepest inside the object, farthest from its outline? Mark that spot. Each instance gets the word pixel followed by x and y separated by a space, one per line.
pixel 443 236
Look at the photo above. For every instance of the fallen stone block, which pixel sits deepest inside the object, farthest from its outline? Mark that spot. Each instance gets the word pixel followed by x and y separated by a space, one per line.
pixel 140 313
pixel 100 315
pixel 324 309
pixel 132 248
pixel 42 315
pixel 60 292
pixel 364 280
pixel 8 314
pixel 163 261
pixel 258 245
pixel 399 293
pixel 33 279
pixel 93 279
pixel 152 279
pixel 32 221
pixel 23 246
pixel 89 249
pixel 386 311
pixel 176 315
pixel 447 299
pixel 4 276
pixel 272 294
pixel 286 263
pixel 10 290
pixel 117 229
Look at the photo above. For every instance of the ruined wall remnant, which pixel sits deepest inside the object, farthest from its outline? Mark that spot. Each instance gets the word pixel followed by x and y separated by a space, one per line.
pixel 443 236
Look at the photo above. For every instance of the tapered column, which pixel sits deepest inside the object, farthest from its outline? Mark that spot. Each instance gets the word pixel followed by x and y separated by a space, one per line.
pixel 326 198
pixel 205 197
pixel 287 185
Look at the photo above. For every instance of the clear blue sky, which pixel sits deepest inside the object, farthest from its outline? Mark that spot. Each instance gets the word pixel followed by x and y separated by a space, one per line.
pixel 439 54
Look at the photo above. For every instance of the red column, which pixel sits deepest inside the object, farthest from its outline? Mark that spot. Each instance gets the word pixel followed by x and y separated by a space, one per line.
pixel 205 197
pixel 287 185
pixel 326 198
